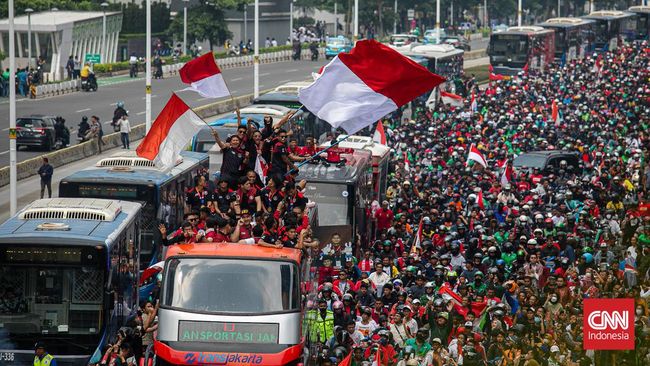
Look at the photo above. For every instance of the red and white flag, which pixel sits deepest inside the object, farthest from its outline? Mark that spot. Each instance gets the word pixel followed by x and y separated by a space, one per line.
pixel 379 135
pixel 356 89
pixel 506 175
pixel 473 105
pixel 475 155
pixel 452 99
pixel 261 168
pixel 555 113
pixel 204 77
pixel 480 200
pixel 170 132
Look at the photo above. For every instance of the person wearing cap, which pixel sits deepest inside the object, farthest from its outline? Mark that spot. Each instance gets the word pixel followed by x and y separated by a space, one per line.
pixel 41 357
pixel 439 325
pixel 604 255
pixel 419 343
pixel 555 357
pixel 411 323
pixel 322 323
pixel 400 331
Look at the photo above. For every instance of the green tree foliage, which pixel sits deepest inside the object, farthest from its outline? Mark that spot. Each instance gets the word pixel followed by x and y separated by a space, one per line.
pixel 205 22
pixel 134 18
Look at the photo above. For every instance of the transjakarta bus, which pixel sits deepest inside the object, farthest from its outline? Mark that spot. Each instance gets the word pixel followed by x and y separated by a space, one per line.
pixel 232 304
pixel 610 24
pixel 642 20
pixel 574 37
pixel 68 277
pixel 126 176
pixel 519 48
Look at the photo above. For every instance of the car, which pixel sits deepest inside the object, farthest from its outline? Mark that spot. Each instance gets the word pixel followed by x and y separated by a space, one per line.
pixel 458 42
pixel 499 28
pixel 467 26
pixel 399 40
pixel 36 131
pixel 336 45
pixel 547 162
pixel 432 37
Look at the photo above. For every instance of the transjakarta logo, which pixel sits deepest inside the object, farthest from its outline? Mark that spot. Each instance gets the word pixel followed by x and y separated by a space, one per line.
pixel 608 324
pixel 209 358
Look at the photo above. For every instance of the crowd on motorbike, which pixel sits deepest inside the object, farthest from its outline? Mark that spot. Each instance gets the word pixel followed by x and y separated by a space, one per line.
pixel 473 265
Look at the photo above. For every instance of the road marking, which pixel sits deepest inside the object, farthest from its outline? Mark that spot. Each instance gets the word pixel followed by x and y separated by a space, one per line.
pixel 285 81
pixel 153 96
pixel 83 110
pixel 265 74
pixel 292 70
pixel 261 86
pixel 236 79
pixel 5 152
pixel 141 113
pixel 108 122
pixel 6 129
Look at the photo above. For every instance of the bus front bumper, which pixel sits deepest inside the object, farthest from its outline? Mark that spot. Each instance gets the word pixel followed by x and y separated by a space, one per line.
pixel 290 355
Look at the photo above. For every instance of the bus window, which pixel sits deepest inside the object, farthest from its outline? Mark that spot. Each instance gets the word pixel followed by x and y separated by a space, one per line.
pixel 219 285
pixel 333 202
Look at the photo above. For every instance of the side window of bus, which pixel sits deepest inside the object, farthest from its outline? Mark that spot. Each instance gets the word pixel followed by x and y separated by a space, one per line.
pixel 122 278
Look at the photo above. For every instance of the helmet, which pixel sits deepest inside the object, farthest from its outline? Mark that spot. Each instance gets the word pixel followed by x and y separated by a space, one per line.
pixel 398 282
pixel 337 305
pixel 120 104
pixel 411 269
pixel 84 119
pixel 588 257
pixel 532 242
pixel 429 285
pixel 500 262
pixel 478 256
pixel 347 297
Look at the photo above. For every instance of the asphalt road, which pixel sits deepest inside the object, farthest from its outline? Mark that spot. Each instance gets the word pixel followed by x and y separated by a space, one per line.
pixel 102 103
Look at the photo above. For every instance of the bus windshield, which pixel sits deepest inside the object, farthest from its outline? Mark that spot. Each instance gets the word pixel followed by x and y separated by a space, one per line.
pixel 602 33
pixel 51 299
pixel 332 202
pixel 511 48
pixel 232 286
pixel 561 43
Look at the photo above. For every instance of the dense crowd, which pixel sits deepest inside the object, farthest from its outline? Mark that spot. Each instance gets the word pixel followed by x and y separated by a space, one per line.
pixel 466 265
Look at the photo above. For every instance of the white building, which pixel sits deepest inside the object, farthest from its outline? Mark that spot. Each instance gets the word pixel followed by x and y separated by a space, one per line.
pixel 56 35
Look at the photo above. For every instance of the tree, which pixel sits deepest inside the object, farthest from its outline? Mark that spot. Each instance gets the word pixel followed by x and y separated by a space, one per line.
pixel 205 22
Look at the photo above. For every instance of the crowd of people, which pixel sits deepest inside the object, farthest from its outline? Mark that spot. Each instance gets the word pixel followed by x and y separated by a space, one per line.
pixel 466 265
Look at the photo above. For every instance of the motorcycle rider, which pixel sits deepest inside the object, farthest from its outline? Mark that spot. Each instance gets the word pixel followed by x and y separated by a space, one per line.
pixel 133 62
pixel 117 115
pixel 61 132
pixel 313 47
pixel 84 127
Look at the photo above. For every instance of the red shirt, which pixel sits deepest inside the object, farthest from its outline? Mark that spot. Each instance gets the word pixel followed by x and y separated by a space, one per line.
pixel 384 218
pixel 220 237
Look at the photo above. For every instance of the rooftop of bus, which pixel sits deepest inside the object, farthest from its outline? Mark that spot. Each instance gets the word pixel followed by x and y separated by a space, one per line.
pixel 608 15
pixel 126 174
pixel 640 9
pixel 69 221
pixel 565 22
pixel 523 30
pixel 233 250
pixel 333 173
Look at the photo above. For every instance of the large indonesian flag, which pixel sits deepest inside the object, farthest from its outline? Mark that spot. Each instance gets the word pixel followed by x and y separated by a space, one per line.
pixel 204 77
pixel 452 99
pixel 170 133
pixel 356 89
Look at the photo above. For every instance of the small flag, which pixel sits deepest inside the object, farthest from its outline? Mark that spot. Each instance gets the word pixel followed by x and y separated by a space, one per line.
pixel 473 104
pixel 480 200
pixel 379 136
pixel 475 155
pixel 261 168
pixel 506 175
pixel 418 239
pixel 555 113
pixel 347 361
pixel 407 163
pixel 452 99
pixel 204 77
pixel 170 132
pixel 358 88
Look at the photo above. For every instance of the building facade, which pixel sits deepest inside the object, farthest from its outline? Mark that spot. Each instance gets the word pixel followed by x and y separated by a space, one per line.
pixel 57 35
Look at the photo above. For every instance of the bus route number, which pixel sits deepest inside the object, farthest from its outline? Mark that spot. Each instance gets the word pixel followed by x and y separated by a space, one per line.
pixel 7 356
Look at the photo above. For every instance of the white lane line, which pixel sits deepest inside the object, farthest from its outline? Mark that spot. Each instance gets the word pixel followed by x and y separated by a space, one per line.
pixel 108 122
pixel 114 103
pixel 292 70
pixel 285 81
pixel 5 129
pixel 141 113
pixel 83 110
pixel 261 86
pixel 153 96
pixel 4 152
pixel 265 74
pixel 236 79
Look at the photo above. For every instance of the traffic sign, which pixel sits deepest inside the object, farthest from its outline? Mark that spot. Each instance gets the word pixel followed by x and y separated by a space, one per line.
pixel 94 58
pixel 411 14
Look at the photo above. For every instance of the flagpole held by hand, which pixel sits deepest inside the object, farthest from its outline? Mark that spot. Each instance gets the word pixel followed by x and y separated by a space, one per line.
pixel 316 154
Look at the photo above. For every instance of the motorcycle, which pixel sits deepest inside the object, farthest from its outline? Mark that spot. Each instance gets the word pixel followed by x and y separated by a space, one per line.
pixel 89 83
pixel 233 51
pixel 313 47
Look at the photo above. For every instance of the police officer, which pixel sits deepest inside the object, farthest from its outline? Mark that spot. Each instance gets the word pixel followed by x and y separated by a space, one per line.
pixel 42 358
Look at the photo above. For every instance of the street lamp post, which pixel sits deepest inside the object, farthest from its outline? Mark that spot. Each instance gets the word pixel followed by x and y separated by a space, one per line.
pixel 104 5
pixel 147 88
pixel 519 14
pixel 336 19
pixel 291 19
pixel 13 202
pixel 356 19
pixel 185 26
pixel 256 55
pixel 29 12
pixel 395 20
pixel 438 20
pixel 245 40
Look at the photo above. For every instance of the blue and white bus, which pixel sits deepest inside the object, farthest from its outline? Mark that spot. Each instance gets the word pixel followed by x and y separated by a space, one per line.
pixel 610 25
pixel 574 37
pixel 126 176
pixel 68 277
pixel 642 21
